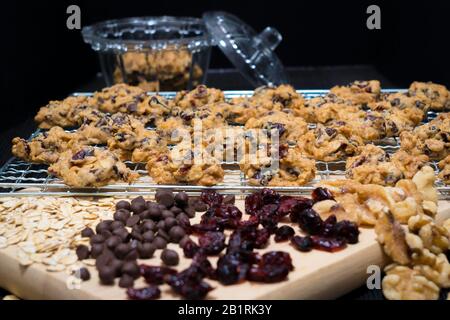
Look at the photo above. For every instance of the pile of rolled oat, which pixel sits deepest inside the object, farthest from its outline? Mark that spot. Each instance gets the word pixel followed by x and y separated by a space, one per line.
pixel 47 230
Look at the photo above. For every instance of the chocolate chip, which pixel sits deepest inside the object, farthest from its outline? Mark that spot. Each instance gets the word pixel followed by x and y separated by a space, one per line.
pixel 104 259
pixel 181 199
pixel 106 275
pixel 167 214
pixel 229 199
pixel 176 233
pixel 96 249
pixel 113 242
pixel 97 238
pixel 161 225
pixel 190 211
pixel 123 205
pixel 163 234
pixel 146 250
pixel 106 234
pixel 131 268
pixel 170 257
pixel 87 232
pixel 164 197
pixel 138 205
pixel 122 250
pixel 154 212
pixel 176 210
pixel 116 264
pixel 184 240
pixel 126 281
pixel 116 225
pixel 148 236
pixel 132 255
pixel 137 235
pixel 145 214
pixel 133 220
pixel 83 274
pixel 122 215
pixel 182 216
pixel 169 223
pixel 122 233
pixel 159 243
pixel 103 225
pixel 148 225
pixel 82 252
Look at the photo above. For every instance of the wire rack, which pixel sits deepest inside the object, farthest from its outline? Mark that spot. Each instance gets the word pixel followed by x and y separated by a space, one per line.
pixel 20 178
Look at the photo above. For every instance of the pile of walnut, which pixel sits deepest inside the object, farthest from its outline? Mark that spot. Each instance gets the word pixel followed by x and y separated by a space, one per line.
pixel 404 220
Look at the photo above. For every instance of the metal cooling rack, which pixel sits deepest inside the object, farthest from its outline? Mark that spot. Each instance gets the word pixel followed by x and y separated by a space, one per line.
pixel 20 178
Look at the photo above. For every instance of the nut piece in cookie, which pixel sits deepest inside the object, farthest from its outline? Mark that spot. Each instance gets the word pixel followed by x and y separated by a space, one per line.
pixel 91 167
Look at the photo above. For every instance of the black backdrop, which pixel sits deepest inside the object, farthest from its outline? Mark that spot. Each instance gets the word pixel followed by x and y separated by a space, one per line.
pixel 44 60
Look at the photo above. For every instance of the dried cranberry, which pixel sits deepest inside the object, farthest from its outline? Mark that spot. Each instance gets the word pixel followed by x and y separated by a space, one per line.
pixel 231 268
pixel 328 226
pixel 189 283
pixel 237 243
pixel 253 203
pixel 148 293
pixel 190 248
pixel 252 221
pixel 270 196
pixel 302 204
pixel 320 194
pixel 286 204
pixel 211 197
pixel 347 230
pixel 155 274
pixel 303 244
pixel 204 265
pixel 310 222
pixel 229 215
pixel 328 244
pixel 212 243
pixel 284 233
pixel 273 267
pixel 283 150
pixel 262 237
pixel 210 224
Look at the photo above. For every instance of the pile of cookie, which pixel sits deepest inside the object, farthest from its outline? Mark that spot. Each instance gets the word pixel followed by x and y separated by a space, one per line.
pixel 348 122
pixel 162 70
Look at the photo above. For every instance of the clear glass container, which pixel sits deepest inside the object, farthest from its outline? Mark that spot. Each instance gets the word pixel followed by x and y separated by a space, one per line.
pixel 154 53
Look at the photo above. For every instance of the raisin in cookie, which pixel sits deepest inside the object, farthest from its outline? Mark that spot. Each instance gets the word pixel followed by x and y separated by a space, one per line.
pixel 91 167
pixel 359 92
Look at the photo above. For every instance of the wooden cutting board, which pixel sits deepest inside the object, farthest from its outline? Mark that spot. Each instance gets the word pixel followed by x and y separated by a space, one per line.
pixel 317 274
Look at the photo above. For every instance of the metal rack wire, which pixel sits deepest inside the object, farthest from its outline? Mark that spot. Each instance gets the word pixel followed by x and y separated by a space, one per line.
pixel 19 178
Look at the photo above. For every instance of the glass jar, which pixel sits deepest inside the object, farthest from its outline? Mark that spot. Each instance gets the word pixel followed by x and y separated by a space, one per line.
pixel 154 53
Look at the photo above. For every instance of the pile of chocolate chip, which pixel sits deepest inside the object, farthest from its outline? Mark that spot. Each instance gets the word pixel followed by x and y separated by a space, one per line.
pixel 139 229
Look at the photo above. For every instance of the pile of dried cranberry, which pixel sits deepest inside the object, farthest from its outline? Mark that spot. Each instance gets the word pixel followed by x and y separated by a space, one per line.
pixel 238 261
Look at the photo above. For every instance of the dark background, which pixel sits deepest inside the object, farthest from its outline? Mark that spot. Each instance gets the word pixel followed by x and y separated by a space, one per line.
pixel 44 60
